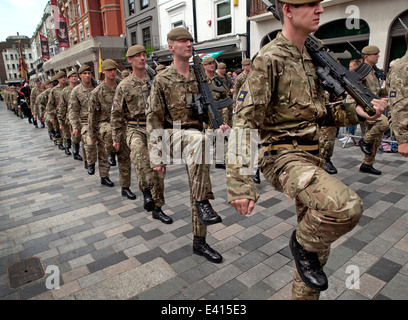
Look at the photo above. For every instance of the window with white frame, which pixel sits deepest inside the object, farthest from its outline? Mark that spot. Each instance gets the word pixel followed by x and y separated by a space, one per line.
pixel 223 17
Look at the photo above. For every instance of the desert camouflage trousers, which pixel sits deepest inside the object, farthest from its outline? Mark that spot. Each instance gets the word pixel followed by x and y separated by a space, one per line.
pixel 124 164
pixel 149 179
pixel 89 150
pixel 326 208
pixel 374 132
pixel 103 144
pixel 53 126
pixel 189 146
pixel 326 141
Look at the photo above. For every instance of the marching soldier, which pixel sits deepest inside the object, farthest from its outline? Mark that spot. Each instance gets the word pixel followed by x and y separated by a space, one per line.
pixel 283 100
pixel 374 129
pixel 129 107
pixel 42 101
pixel 78 111
pixel 100 107
pixel 53 101
pixel 33 97
pixel 397 85
pixel 219 91
pixel 63 121
pixel 172 94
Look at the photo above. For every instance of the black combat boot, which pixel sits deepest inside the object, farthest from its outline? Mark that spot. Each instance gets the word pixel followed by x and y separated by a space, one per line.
pixel 112 160
pixel 201 248
pixel 365 147
pixel 329 167
pixel 206 213
pixel 126 192
pixel 91 169
pixel 67 146
pixel 61 147
pixel 158 214
pixel 256 177
pixel 366 168
pixel 148 203
pixel 106 181
pixel 42 125
pixel 308 266
pixel 75 152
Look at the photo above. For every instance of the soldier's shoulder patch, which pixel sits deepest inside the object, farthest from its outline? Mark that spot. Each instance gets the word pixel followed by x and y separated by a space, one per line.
pixel 393 94
pixel 147 105
pixel 242 95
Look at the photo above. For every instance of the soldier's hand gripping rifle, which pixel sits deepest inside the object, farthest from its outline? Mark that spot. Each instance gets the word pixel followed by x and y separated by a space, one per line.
pixel 335 78
pixel 204 101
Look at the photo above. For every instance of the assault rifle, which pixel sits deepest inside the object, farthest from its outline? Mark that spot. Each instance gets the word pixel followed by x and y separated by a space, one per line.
pixel 204 101
pixel 335 78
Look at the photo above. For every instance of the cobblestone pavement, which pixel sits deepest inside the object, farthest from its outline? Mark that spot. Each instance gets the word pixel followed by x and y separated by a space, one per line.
pixel 108 247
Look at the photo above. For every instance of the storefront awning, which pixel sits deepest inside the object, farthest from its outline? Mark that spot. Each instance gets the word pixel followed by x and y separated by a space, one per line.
pixel 214 52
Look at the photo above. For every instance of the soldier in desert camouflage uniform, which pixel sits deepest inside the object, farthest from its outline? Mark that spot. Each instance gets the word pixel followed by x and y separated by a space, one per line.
pixel 36 108
pixel 52 105
pixel 283 100
pixel 33 97
pixel 397 86
pixel 172 95
pixel 129 109
pixel 42 101
pixel 374 129
pixel 219 91
pixel 78 111
pixel 100 106
pixel 62 110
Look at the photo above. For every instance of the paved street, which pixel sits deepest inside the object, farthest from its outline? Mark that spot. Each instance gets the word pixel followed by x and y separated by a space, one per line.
pixel 108 247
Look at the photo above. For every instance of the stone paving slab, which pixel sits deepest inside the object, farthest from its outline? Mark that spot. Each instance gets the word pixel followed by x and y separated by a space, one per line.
pixel 107 247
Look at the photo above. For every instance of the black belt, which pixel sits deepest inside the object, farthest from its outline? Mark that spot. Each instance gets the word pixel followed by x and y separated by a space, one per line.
pixel 311 146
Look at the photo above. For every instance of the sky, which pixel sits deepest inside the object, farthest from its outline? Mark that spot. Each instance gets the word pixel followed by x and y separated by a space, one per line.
pixel 21 16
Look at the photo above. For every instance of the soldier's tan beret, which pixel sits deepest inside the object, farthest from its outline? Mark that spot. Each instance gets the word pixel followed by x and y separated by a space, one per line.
pixel 246 62
pixel 370 50
pixel 47 82
pixel 53 78
pixel 179 33
pixel 61 74
pixel 109 64
pixel 134 50
pixel 84 68
pixel 160 67
pixel 299 1
pixel 208 60
pixel 72 72
pixel 222 65
pixel 125 73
